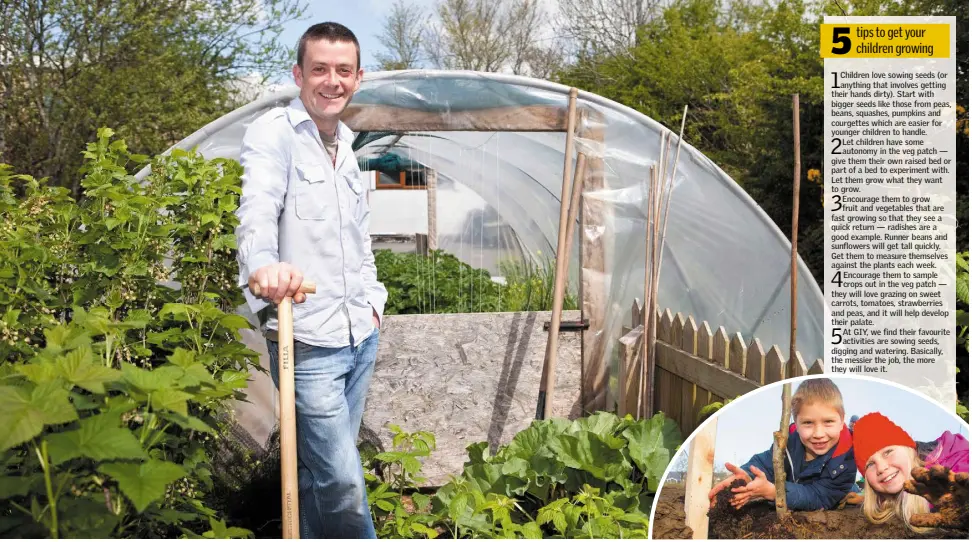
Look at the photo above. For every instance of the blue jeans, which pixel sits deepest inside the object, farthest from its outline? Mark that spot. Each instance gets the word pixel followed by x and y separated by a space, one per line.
pixel 330 386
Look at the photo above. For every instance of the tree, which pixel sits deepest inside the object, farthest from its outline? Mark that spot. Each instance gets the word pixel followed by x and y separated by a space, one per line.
pixel 523 30
pixel 469 36
pixel 606 26
pixel 402 37
pixel 493 36
pixel 153 70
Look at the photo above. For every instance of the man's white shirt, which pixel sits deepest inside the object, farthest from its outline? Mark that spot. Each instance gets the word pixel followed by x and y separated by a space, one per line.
pixel 298 207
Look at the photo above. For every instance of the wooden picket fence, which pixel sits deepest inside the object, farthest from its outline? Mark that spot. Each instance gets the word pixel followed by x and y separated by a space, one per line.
pixel 696 366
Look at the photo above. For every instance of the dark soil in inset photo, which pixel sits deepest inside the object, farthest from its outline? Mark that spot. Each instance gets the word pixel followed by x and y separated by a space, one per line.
pixel 759 521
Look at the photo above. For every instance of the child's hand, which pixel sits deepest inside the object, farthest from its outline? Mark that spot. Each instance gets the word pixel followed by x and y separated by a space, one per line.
pixel 737 474
pixel 760 486
pixel 947 491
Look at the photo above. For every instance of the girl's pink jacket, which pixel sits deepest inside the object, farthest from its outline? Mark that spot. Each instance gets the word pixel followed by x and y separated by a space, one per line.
pixel 951 451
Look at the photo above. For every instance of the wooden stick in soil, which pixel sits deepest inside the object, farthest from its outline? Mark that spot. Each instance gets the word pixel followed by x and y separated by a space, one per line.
pixel 644 375
pixel 650 318
pixel 779 471
pixel 550 356
pixel 669 181
pixel 560 285
pixel 288 412
pixel 794 226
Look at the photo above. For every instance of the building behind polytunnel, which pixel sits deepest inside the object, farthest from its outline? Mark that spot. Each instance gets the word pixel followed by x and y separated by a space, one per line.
pixel 494 146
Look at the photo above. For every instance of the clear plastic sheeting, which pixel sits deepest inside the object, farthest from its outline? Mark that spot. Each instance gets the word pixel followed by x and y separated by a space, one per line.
pixel 725 262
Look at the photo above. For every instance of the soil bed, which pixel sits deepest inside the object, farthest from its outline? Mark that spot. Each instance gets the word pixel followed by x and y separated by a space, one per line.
pixel 758 521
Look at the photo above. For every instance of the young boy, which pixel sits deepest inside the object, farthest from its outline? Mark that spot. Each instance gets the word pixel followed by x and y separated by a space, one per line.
pixel 819 460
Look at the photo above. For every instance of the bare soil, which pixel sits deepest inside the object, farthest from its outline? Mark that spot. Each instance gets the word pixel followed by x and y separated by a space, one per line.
pixel 758 521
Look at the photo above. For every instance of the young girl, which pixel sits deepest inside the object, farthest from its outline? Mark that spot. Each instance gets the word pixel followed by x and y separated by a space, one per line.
pixel 885 455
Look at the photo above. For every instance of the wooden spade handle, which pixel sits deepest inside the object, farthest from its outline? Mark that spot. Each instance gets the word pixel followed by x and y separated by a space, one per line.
pixel 288 421
pixel 307 287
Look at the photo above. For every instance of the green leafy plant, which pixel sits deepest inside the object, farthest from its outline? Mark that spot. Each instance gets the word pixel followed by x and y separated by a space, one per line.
pixel 120 350
pixel 530 286
pixel 592 477
pixel 711 408
pixel 398 508
pixel 439 283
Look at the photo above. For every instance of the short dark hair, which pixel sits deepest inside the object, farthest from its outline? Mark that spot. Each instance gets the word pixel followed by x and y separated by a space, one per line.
pixel 330 31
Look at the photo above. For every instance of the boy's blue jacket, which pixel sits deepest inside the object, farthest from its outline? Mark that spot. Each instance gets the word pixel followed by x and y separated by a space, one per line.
pixel 817 484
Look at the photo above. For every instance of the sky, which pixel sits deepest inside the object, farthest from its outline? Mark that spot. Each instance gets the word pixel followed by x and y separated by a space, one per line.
pixel 746 426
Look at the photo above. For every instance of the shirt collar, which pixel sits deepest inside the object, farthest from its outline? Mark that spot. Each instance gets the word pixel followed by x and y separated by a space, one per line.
pixel 298 114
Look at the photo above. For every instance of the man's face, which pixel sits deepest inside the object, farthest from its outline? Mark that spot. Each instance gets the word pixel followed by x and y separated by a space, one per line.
pixel 327 79
pixel 819 428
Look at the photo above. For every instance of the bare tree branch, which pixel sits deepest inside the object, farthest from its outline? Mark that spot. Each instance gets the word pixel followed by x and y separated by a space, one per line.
pixel 401 36
pixel 606 26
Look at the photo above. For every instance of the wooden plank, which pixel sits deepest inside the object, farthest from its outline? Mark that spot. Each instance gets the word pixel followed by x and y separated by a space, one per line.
pixel 689 332
pixel 530 118
pixel 737 356
pixel 720 355
pixel 675 399
pixel 628 371
pixel 795 366
pixel 596 240
pixel 703 345
pixel 721 381
pixel 664 379
pixel 775 366
pixel 698 480
pixel 816 368
pixel 755 356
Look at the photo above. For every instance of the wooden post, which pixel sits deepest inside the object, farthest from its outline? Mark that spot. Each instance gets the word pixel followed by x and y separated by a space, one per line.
pixel 795 224
pixel 548 378
pixel 431 180
pixel 549 359
pixel 422 244
pixel 698 479
pixel 779 471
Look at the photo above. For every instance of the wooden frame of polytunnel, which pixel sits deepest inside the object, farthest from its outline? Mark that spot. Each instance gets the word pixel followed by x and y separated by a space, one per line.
pixel 530 118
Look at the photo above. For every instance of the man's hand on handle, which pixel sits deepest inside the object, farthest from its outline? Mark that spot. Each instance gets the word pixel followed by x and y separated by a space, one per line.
pixel 276 281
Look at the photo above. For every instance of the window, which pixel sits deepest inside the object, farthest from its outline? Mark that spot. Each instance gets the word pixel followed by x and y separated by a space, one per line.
pixel 413 179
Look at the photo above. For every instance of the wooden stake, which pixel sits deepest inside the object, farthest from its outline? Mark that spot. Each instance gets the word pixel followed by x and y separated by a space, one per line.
pixel 659 230
pixel 698 480
pixel 550 356
pixel 795 225
pixel 779 471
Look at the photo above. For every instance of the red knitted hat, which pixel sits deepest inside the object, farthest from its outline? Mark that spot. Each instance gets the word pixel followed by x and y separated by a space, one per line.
pixel 873 432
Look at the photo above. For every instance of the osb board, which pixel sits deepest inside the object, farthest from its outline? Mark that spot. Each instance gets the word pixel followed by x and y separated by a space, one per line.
pixel 464 377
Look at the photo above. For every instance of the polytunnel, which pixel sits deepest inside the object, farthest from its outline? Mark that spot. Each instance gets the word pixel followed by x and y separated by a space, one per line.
pixel 498 143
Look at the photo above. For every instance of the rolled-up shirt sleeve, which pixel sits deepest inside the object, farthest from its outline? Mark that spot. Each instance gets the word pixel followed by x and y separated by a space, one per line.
pixel 264 157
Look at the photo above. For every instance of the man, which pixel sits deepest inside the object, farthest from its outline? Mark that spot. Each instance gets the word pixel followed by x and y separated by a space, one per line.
pixel 304 214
